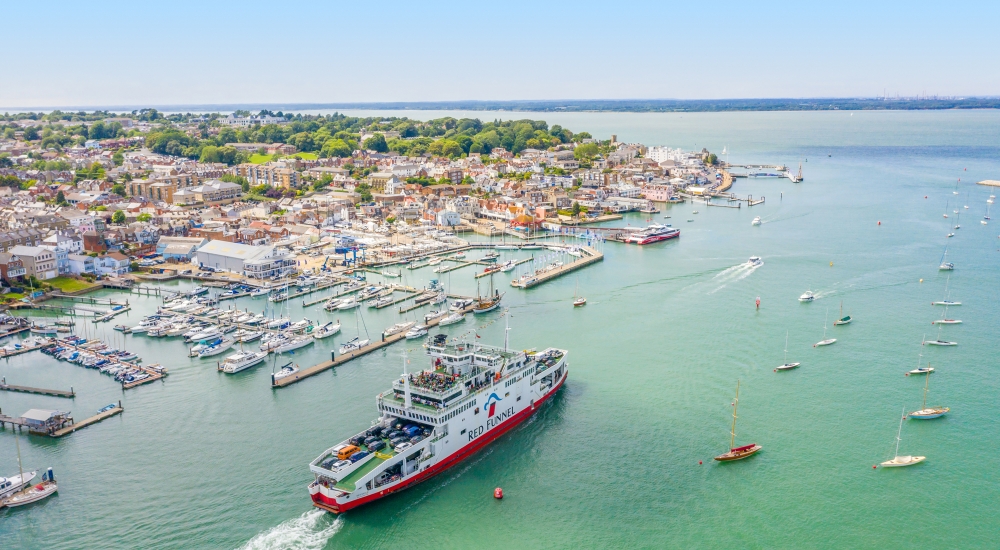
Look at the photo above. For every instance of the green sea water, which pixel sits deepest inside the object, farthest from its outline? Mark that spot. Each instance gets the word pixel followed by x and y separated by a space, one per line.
pixel 622 457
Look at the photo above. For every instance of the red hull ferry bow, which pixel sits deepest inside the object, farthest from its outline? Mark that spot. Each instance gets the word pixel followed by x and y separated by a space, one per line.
pixel 432 420
pixel 652 234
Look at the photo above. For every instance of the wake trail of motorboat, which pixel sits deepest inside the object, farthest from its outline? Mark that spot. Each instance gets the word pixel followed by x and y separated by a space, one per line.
pixel 732 275
pixel 310 531
pixel 763 220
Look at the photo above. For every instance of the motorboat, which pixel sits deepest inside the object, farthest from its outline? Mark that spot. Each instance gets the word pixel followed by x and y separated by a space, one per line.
pixel 946 322
pixel 259 292
pixel 461 304
pixel 509 265
pixel 435 260
pixel 241 361
pixel 391 274
pixel 294 344
pixel 579 302
pixel 381 302
pixel 354 345
pixel 397 328
pixel 332 304
pixel 203 345
pixel 756 221
pixel 279 323
pixel 299 326
pixel 246 336
pixel 416 332
pixel 755 261
pixel 456 317
pixel 326 330
pixel 349 303
pixel 807 296
pixel 434 315
pixel 272 343
pixel 13 484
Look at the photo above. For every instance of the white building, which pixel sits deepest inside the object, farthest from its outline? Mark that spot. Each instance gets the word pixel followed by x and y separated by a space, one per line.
pixel 259 262
pixel 248 121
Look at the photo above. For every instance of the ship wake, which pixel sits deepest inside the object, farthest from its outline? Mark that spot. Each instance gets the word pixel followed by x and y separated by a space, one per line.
pixel 310 531
pixel 732 275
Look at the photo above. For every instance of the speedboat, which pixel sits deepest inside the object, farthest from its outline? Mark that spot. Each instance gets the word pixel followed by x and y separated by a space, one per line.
pixel 416 332
pixel 755 261
pixel 434 261
pixel 241 361
pixel 354 345
pixel 456 317
pixel 329 329
pixel 756 221
pixel 397 328
pixel 946 266
pixel 807 296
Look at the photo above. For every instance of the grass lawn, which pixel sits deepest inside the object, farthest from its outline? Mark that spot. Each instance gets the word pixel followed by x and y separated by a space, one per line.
pixel 257 158
pixel 68 284
pixel 12 296
pixel 306 156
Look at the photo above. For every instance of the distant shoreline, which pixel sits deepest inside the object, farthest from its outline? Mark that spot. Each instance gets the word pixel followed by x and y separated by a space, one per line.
pixel 581 105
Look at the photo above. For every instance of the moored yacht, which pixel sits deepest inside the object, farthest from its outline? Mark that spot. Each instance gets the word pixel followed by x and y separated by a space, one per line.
pixel 241 361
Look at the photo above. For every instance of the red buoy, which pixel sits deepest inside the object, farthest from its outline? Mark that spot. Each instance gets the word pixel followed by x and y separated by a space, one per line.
pixel 873 467
pixel 699 462
pixel 880 222
pixel 498 493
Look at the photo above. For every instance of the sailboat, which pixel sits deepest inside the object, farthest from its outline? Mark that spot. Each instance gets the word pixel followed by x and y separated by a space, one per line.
pixel 844 319
pixel 897 460
pixel 946 266
pixel 925 412
pixel 737 453
pixel 786 365
pixel 939 341
pixel 946 301
pixel 946 209
pixel 825 341
pixel 355 343
pixel 489 302
pixel 946 320
pixel 577 299
pixel 987 216
pixel 32 493
pixel 958 219
pixel 919 369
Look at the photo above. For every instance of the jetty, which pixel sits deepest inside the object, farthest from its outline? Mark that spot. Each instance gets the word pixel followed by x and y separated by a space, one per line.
pixel 340 360
pixel 74 426
pixel 4 386
pixel 590 256
pixel 23 349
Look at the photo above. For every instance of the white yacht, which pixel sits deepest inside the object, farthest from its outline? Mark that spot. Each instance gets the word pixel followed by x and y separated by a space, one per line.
pixel 756 221
pixel 353 345
pixel 807 296
pixel 13 484
pixel 328 329
pixel 435 314
pixel 456 317
pixel 349 303
pixel 241 361
pixel 288 369
pixel 294 344
pixel 417 332
pixel 755 261
pixel 215 349
pixel 397 328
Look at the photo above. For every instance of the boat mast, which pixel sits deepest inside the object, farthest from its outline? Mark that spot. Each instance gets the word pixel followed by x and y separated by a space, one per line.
pixel 20 470
pixel 900 431
pixel 926 383
pixel 825 319
pixel 786 347
pixel 736 404
pixel 506 329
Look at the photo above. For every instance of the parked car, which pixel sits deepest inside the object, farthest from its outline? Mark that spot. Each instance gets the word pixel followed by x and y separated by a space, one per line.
pixel 402 446
pixel 341 464
pixel 376 446
pixel 359 455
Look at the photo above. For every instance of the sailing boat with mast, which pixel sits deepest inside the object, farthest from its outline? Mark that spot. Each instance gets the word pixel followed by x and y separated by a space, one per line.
pixel 32 493
pixel 907 460
pixel 939 341
pixel 946 266
pixel 825 341
pixel 786 365
pixel 577 299
pixel 844 319
pixel 925 412
pixel 737 453
pixel 356 343
pixel 921 370
pixel 946 301
pixel 489 302
pixel 947 320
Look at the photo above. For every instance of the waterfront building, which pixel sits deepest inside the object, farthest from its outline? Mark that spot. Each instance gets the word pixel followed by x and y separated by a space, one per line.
pixel 38 262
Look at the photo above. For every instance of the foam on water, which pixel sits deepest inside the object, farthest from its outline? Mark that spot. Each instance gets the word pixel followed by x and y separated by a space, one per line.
pixel 310 531
pixel 732 275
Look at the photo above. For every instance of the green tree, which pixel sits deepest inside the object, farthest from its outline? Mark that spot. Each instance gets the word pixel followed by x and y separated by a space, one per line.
pixel 336 148
pixel 118 158
pixel 31 133
pixel 118 189
pixel 61 199
pixel 118 217
pixel 585 151
pixel 144 217
pixel 376 143
pixel 577 208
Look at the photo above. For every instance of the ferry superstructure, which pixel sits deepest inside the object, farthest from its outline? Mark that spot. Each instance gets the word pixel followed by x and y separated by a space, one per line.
pixel 653 233
pixel 429 421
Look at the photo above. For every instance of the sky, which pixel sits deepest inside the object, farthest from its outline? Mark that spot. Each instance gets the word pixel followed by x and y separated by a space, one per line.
pixel 151 53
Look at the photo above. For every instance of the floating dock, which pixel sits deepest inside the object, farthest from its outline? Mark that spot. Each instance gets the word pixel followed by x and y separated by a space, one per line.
pixel 591 255
pixel 88 421
pixel 337 361
pixel 26 349
pixel 4 386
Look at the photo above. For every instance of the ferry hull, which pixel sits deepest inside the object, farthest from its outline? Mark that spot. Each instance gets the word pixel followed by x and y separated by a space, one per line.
pixel 331 505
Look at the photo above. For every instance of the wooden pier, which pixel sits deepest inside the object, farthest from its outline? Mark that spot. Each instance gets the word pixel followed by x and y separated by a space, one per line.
pixel 322 286
pixel 25 349
pixel 112 314
pixel 88 421
pixel 4 386
pixel 337 361
pixel 591 256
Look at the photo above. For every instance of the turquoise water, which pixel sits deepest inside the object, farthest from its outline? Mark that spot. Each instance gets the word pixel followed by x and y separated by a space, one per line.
pixel 204 460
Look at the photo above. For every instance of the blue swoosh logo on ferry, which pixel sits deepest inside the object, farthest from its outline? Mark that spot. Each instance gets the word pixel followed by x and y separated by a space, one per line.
pixel 491 398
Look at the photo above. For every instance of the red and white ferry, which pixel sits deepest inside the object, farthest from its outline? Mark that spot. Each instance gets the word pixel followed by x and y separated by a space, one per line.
pixel 431 420
pixel 653 233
